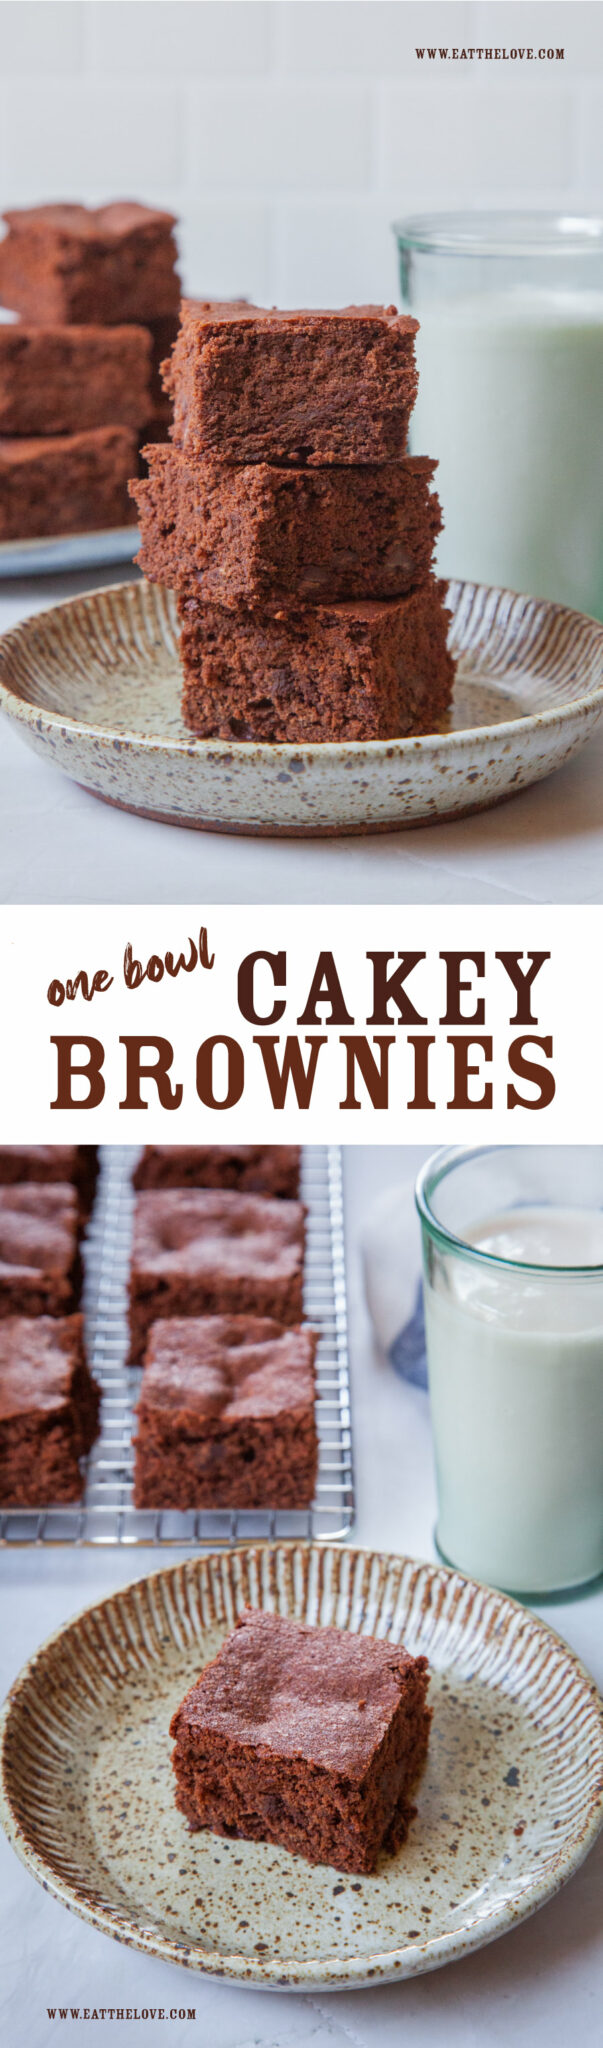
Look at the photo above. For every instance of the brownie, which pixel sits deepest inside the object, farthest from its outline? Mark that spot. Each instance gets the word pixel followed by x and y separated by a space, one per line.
pixel 253 385
pixel 49 1406
pixel 68 483
pixel 40 1267
pixel 242 536
pixel 61 380
pixel 310 1738
pixel 226 1415
pixel 72 264
pixel 363 671
pixel 253 1169
pixel 205 1251
pixel 74 1164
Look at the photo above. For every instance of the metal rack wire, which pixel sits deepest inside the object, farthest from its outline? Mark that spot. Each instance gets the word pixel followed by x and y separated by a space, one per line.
pixel 106 1514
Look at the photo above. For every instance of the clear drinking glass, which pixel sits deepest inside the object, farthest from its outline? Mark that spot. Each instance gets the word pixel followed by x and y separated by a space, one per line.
pixel 513 1287
pixel 510 354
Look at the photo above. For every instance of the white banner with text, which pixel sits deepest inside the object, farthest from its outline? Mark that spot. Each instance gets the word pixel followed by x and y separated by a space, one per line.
pixel 318 1023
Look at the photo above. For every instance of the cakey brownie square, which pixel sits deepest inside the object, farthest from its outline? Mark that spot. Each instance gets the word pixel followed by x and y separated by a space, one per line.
pixel 49 1406
pixel 250 384
pixel 40 1268
pixel 307 1737
pixel 61 380
pixel 358 671
pixel 226 1415
pixel 76 1165
pixel 246 536
pixel 66 483
pixel 202 1251
pixel 254 1169
pixel 68 264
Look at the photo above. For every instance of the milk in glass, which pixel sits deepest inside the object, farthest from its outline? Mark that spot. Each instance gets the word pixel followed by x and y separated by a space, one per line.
pixel 516 1382
pixel 511 401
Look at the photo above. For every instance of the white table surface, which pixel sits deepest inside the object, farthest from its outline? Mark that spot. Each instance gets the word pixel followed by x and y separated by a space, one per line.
pixel 542 1984
pixel 59 844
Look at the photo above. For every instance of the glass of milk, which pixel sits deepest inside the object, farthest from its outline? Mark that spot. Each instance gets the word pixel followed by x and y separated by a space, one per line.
pixel 510 355
pixel 513 1288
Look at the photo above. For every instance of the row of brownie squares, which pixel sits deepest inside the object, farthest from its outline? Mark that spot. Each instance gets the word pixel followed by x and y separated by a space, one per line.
pixel 97 292
pixel 295 529
pixel 226 1415
pixel 49 1401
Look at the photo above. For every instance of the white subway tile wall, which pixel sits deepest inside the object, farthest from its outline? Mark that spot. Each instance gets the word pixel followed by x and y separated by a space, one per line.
pixel 288 134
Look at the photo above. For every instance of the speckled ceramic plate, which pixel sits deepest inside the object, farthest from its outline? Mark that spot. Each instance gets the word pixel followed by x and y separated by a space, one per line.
pixel 94 685
pixel 66 551
pixel 510 1802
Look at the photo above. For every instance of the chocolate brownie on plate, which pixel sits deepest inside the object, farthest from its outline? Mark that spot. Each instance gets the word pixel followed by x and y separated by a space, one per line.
pixel 205 1251
pixel 361 671
pixel 310 1738
pixel 62 380
pixel 77 1164
pixel 49 1406
pixel 258 533
pixel 72 264
pixel 67 483
pixel 40 1269
pixel 256 385
pixel 226 1415
pixel 254 1169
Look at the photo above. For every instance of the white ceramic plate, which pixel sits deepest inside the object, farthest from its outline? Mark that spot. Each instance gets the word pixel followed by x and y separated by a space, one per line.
pixel 68 551
pixel 94 685
pixel 510 1802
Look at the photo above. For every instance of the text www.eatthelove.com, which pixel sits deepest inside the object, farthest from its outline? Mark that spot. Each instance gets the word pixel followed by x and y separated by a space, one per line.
pixel 121 2012
pixel 479 51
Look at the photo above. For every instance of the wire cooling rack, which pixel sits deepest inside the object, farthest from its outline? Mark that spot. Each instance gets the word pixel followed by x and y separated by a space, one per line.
pixel 106 1513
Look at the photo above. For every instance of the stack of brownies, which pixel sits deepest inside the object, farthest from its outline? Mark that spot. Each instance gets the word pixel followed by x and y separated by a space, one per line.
pixel 226 1416
pixel 49 1403
pixel 294 528
pixel 97 292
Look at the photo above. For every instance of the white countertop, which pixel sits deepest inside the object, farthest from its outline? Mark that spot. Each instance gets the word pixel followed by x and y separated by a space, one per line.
pixel 59 844
pixel 542 1984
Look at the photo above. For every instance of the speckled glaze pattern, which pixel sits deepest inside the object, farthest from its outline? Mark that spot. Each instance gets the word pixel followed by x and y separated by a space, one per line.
pixel 509 1804
pixel 94 685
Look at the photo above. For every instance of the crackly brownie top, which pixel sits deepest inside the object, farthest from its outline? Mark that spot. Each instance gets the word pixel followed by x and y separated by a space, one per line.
pixel 319 1694
pixel 37 1359
pixel 38 1228
pixel 192 1231
pixel 201 1368
pixel 219 313
pixel 89 223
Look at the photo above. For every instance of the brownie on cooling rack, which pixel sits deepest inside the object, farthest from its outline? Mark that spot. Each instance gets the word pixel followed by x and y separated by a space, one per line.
pixel 211 1251
pixel 40 1266
pixel 311 1738
pixel 49 1406
pixel 75 1164
pixel 253 1169
pixel 226 1416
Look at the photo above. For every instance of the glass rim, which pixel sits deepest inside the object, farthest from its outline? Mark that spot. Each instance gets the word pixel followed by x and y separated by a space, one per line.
pixel 501 233
pixel 437 1168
